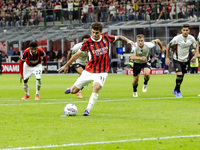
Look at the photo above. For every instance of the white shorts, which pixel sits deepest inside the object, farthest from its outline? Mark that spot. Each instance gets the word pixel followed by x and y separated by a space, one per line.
pixel 86 77
pixel 29 71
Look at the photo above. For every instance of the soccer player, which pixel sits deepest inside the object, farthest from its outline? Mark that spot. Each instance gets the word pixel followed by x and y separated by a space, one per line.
pixel 140 56
pixel 182 44
pixel 30 64
pixel 81 62
pixel 97 68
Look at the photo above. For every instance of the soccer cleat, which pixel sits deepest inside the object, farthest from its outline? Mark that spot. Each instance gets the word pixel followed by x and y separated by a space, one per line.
pixel 178 95
pixel 144 89
pixel 86 113
pixel 175 92
pixel 68 90
pixel 135 94
pixel 37 97
pixel 79 95
pixel 25 97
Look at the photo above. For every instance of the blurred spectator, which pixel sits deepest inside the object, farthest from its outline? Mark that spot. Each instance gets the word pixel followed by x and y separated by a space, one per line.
pixel 70 6
pixel 4 56
pixel 32 19
pixel 51 56
pixel 58 55
pixel 121 13
pixel 15 56
pixel 84 12
pixel 103 11
pixel 91 11
pixel 57 8
pixel 152 13
pixel 10 51
pixel 112 12
pixel 76 10
pixel 65 9
pixel 8 19
pixel 194 65
pixel 140 13
pixel 182 13
pixel 49 13
pixel 155 61
pixel 162 56
pixel 95 3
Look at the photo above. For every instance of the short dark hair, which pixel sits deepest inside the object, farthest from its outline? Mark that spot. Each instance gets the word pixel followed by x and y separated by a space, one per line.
pixel 140 36
pixel 185 26
pixel 97 26
pixel 86 36
pixel 33 44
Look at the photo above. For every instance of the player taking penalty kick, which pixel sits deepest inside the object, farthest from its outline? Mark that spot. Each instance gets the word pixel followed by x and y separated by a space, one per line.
pixel 30 64
pixel 98 66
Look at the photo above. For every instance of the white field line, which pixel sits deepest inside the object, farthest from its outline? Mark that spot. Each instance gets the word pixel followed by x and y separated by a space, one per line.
pixel 86 101
pixel 104 142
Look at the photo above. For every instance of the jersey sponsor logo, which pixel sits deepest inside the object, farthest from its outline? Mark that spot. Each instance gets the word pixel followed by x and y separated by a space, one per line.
pixel 34 61
pixel 100 51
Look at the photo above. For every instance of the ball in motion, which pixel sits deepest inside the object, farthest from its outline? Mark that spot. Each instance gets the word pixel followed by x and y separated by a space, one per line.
pixel 70 110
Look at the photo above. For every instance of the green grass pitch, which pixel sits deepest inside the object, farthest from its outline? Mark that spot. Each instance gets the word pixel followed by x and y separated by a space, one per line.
pixel 154 120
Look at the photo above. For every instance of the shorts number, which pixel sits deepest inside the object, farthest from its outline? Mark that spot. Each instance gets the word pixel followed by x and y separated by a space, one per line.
pixel 102 79
pixel 38 72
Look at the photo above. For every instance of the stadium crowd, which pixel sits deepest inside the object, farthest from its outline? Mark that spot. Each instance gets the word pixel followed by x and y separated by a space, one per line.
pixel 31 12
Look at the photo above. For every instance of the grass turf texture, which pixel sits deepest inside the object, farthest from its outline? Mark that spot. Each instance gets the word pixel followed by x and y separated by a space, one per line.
pixel 116 115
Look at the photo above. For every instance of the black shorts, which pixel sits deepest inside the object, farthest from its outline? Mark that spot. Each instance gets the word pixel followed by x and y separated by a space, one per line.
pixel 138 67
pixel 180 66
pixel 78 65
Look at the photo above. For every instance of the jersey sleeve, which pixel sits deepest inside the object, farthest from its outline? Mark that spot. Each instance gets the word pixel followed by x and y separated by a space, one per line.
pixel 44 58
pixel 25 55
pixel 173 41
pixel 84 47
pixel 151 44
pixel 111 38
pixel 198 40
pixel 194 43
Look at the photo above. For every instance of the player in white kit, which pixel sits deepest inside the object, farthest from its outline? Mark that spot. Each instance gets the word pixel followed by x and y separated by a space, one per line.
pixel 140 55
pixel 182 44
pixel 81 62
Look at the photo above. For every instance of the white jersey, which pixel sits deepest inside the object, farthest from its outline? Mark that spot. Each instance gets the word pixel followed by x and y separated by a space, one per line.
pixel 198 38
pixel 144 51
pixel 83 58
pixel 182 48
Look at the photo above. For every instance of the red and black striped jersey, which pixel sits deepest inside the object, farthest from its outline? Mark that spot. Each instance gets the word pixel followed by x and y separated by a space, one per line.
pixel 34 59
pixel 98 53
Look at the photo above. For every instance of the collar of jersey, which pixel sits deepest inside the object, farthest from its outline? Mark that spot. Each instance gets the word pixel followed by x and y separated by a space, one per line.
pixel 97 40
pixel 31 53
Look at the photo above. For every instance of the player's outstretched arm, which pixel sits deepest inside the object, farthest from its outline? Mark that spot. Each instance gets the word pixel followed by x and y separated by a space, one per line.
pixel 72 59
pixel 167 60
pixel 123 38
pixel 197 50
pixel 159 43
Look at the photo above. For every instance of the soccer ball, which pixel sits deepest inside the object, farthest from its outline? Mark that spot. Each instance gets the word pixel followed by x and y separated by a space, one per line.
pixel 70 110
